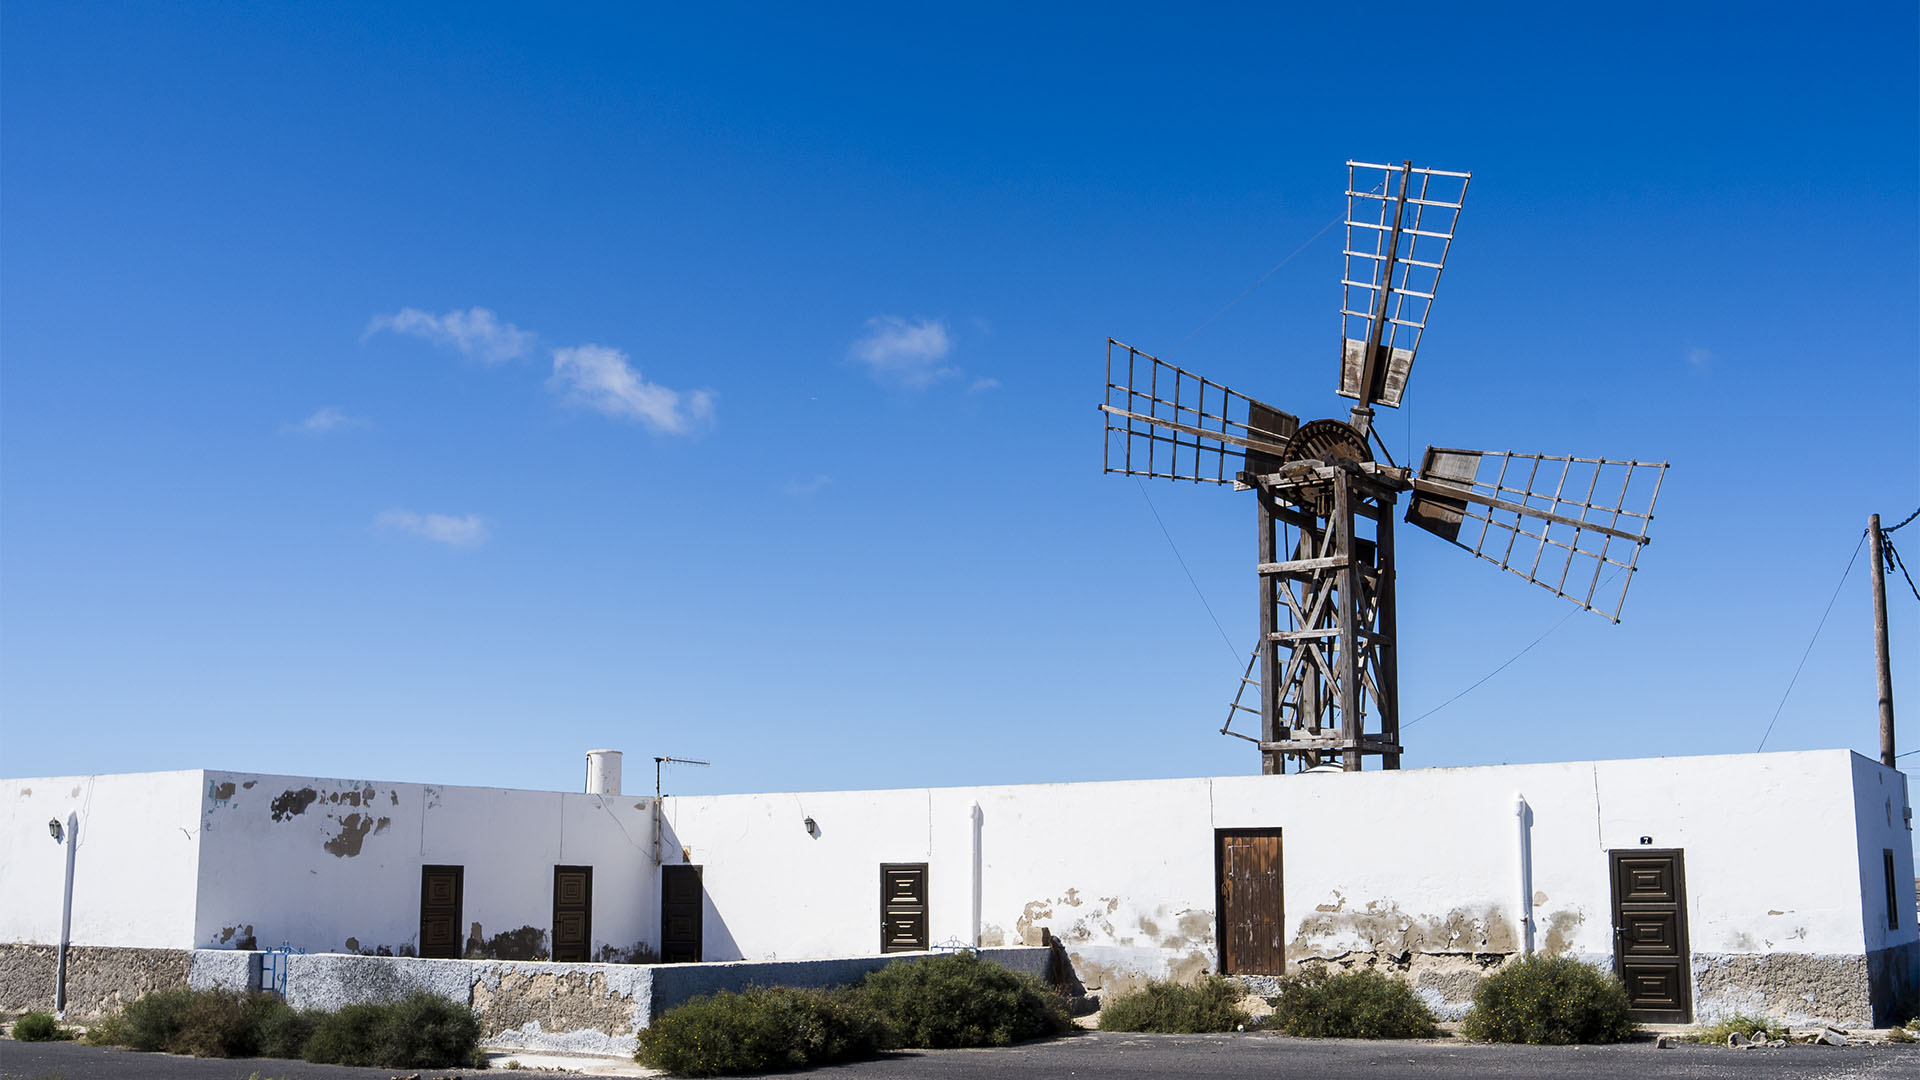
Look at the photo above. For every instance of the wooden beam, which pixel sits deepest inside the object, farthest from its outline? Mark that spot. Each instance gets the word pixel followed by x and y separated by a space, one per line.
pixel 1448 491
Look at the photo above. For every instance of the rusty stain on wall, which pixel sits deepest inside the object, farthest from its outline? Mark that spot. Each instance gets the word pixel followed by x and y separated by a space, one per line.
pixel 292 803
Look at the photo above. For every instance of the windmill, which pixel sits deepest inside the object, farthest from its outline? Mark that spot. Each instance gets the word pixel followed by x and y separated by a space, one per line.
pixel 1325 668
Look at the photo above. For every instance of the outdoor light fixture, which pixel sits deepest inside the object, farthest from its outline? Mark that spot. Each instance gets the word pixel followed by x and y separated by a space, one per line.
pixel 811 827
pixel 53 829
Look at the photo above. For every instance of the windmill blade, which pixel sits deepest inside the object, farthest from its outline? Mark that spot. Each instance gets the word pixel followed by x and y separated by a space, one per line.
pixel 1572 525
pixel 1400 223
pixel 1167 422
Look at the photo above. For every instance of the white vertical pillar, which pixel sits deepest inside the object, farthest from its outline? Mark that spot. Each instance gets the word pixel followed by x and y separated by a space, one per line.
pixel 978 818
pixel 1524 862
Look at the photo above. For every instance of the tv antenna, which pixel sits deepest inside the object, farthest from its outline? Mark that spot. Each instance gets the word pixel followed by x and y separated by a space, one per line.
pixel 660 761
pixel 1325 667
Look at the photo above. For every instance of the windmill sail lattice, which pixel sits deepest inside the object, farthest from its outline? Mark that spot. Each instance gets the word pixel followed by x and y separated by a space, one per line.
pixel 1572 525
pixel 1395 251
pixel 1168 422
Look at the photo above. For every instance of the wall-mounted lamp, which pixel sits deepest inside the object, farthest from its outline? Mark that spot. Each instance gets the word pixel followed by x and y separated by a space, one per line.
pixel 811 827
pixel 54 830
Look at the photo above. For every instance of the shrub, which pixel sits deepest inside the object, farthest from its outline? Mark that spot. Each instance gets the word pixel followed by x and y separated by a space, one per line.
pixel 223 1023
pixel 421 1031
pixel 1549 1000
pixel 1363 1004
pixel 1212 1004
pixel 283 1032
pixel 760 1030
pixel 149 1023
pixel 960 1000
pixel 1746 1025
pixel 39 1027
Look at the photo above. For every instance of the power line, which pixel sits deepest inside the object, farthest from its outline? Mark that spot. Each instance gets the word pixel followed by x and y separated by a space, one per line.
pixel 1231 651
pixel 1260 281
pixel 1811 640
pixel 1501 668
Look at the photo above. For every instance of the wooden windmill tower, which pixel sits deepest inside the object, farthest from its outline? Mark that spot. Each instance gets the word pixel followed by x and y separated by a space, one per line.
pixel 1325 667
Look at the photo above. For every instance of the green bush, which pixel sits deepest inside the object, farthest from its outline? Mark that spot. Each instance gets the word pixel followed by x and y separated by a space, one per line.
pixel 149 1023
pixel 1549 1000
pixel 960 1000
pixel 1363 1004
pixel 1212 1004
pixel 421 1031
pixel 223 1023
pixel 283 1032
pixel 39 1027
pixel 1745 1025
pixel 760 1030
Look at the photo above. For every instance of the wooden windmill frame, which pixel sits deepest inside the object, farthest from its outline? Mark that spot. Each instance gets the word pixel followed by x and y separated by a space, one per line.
pixel 1325 669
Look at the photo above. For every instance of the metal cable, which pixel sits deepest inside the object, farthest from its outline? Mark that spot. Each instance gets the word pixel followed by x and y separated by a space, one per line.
pixel 1910 517
pixel 1231 651
pixel 1810 641
pixel 1262 280
pixel 1894 559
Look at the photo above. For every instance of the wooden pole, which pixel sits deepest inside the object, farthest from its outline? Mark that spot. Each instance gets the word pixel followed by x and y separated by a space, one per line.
pixel 1272 693
pixel 1883 669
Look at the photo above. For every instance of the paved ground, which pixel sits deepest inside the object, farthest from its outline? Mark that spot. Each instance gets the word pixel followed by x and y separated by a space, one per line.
pixel 1148 1057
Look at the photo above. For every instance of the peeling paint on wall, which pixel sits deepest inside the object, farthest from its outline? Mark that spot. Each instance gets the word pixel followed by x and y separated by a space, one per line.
pixel 1382 927
pixel 292 803
pixel 353 830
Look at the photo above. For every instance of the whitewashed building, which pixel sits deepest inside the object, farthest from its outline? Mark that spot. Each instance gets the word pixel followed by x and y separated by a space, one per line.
pixel 1778 883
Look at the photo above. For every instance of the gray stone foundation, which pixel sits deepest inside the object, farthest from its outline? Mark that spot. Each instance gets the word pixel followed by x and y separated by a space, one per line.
pixel 1798 989
pixel 100 979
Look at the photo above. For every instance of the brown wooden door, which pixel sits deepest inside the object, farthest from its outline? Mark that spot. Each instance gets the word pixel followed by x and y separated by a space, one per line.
pixel 903 907
pixel 572 913
pixel 440 895
pixel 681 899
pixel 1252 926
pixel 1650 951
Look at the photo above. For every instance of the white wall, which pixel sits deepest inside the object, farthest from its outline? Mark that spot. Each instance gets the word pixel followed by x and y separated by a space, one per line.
pixel 134 866
pixel 1880 803
pixel 1420 860
pixel 340 870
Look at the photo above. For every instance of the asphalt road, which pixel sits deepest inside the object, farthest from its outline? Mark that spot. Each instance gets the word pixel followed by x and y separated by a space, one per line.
pixel 1216 1057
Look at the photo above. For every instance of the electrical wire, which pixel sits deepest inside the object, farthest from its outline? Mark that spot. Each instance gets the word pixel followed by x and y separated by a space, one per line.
pixel 1231 651
pixel 1811 640
pixel 1260 281
pixel 1501 668
pixel 1894 558
pixel 1910 517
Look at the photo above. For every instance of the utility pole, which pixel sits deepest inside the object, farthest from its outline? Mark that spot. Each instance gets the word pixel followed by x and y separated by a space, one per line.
pixel 1883 668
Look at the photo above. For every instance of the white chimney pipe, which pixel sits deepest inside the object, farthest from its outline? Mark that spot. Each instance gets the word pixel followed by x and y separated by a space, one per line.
pixel 603 772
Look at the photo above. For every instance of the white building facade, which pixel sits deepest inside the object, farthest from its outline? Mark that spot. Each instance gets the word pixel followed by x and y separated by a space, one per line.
pixel 1776 883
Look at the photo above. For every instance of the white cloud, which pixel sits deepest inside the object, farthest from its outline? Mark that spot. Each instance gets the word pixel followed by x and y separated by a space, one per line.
pixel 603 379
pixel 909 354
pixel 465 531
pixel 801 489
pixel 476 333
pixel 1699 359
pixel 323 421
pixel 981 386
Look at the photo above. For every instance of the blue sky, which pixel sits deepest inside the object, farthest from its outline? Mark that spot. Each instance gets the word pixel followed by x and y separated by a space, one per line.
pixel 437 392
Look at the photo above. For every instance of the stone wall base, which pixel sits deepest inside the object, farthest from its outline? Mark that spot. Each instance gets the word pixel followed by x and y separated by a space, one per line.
pixel 100 979
pixel 1798 989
